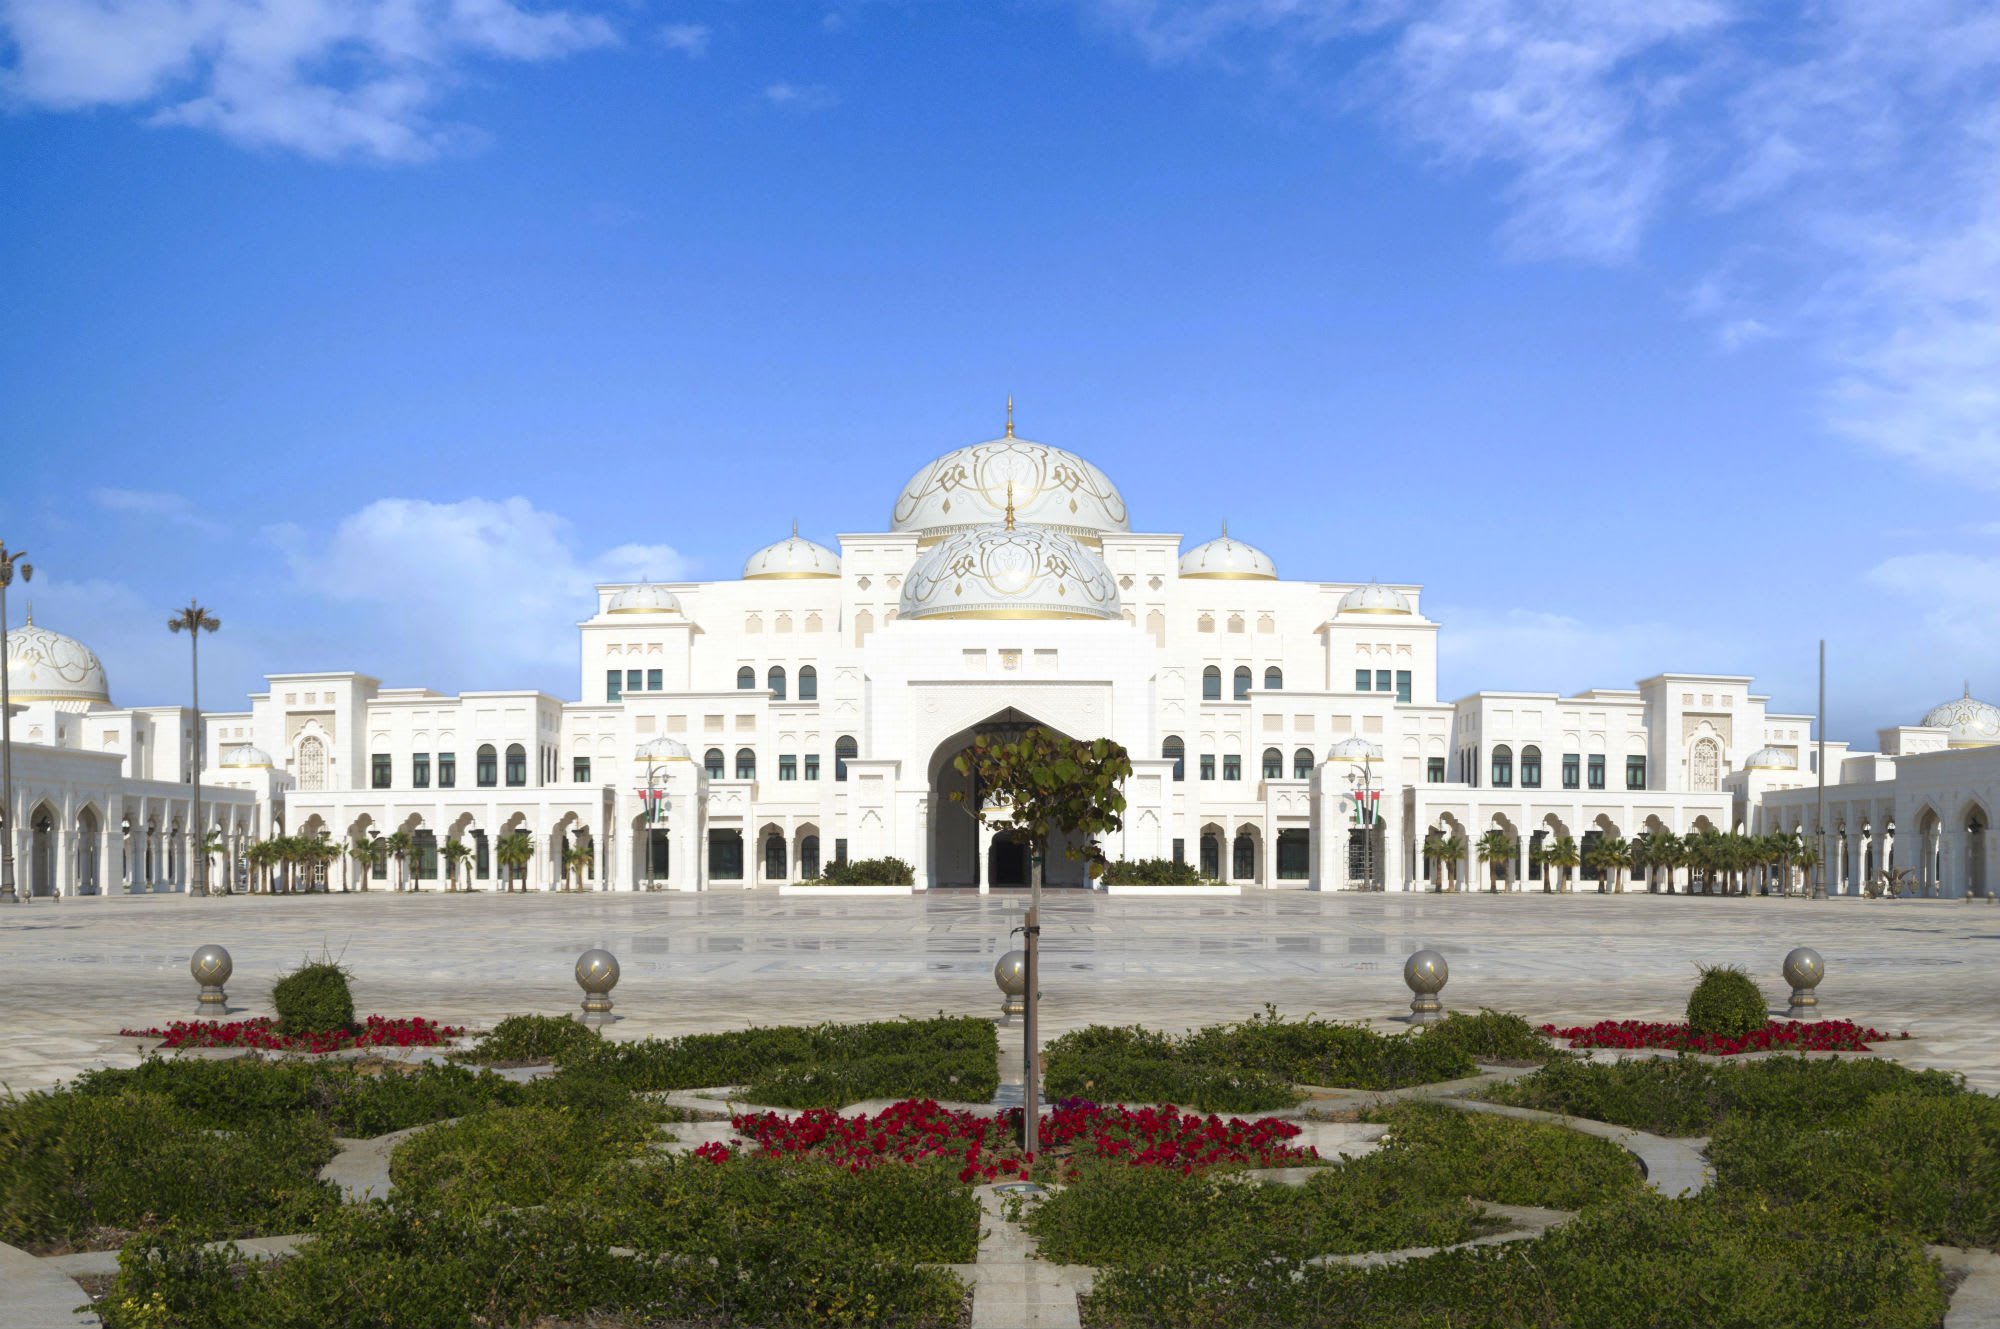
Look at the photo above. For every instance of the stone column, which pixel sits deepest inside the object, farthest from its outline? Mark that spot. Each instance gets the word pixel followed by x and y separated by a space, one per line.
pixel 984 849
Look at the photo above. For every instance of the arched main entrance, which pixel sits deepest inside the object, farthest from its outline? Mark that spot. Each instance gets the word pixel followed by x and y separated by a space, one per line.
pixel 956 858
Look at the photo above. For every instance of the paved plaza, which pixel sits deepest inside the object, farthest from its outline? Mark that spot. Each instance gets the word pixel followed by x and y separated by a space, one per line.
pixel 83 968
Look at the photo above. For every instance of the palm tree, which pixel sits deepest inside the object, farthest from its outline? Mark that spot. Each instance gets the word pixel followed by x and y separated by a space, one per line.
pixel 515 852
pixel 1454 854
pixel 1610 854
pixel 1562 855
pixel 577 858
pixel 1538 860
pixel 398 847
pixel 455 852
pixel 1806 854
pixel 1496 848
pixel 1437 848
pixel 1668 852
pixel 361 853
pixel 213 844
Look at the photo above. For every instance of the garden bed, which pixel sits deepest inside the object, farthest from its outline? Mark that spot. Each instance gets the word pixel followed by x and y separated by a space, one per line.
pixel 1674 1036
pixel 268 1035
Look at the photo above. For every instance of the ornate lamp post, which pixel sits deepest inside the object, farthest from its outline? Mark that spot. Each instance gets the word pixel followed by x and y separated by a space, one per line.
pixel 7 562
pixel 194 620
pixel 1361 788
pixel 656 753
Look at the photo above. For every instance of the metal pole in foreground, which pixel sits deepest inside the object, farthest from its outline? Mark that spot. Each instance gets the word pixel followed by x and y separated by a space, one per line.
pixel 1819 872
pixel 1031 1088
pixel 7 892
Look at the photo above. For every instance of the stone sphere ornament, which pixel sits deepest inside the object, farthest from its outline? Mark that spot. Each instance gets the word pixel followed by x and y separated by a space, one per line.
pixel 597 974
pixel 1011 973
pixel 211 967
pixel 1803 970
pixel 1426 972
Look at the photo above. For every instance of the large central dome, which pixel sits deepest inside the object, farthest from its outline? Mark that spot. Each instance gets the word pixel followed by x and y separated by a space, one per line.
pixel 47 666
pixel 968 488
pixel 1003 571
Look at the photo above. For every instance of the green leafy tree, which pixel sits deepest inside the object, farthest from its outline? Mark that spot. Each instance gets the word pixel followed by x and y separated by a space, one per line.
pixel 1496 850
pixel 1043 784
pixel 1806 855
pixel 361 853
pixel 1562 855
pixel 1610 857
pixel 399 846
pixel 514 853
pixel 576 860
pixel 454 853
pixel 1437 848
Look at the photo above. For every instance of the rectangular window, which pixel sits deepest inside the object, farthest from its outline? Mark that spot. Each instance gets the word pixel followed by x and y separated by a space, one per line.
pixel 1597 772
pixel 840 851
pixel 580 770
pixel 612 684
pixel 383 776
pixel 482 865
pixel 420 770
pixel 1635 772
pixel 725 855
pixel 812 765
pixel 1503 769
pixel 1382 680
pixel 1435 773
pixel 652 680
pixel 1208 765
pixel 1232 766
pixel 1402 685
pixel 1180 850
pixel 631 680
pixel 1571 770
pixel 788 766
pixel 447 770
pixel 1294 855
pixel 1363 680
pixel 1531 768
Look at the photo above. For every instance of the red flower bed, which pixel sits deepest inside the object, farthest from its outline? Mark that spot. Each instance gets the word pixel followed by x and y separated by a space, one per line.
pixel 914 1131
pixel 415 1032
pixel 1777 1036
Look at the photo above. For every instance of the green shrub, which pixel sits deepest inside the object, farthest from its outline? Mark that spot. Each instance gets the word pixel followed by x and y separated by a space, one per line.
pixel 1493 1036
pixel 1640 1263
pixel 1125 1078
pixel 869 872
pixel 528 1039
pixel 1447 1151
pixel 73 1162
pixel 1152 872
pixel 1682 1096
pixel 514 1156
pixel 964 1077
pixel 1726 1002
pixel 313 998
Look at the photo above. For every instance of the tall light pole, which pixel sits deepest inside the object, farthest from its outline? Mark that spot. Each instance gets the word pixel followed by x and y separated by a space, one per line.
pixel 7 562
pixel 655 753
pixel 1819 874
pixel 194 620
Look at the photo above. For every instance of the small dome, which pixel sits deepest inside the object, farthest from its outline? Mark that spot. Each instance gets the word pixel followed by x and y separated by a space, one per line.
pixel 663 749
pixel 968 488
pixel 794 557
pixel 1771 759
pixel 1224 559
pixel 1972 722
pixel 1009 572
pixel 1354 749
pixel 1374 598
pixel 47 666
pixel 645 598
pixel 245 755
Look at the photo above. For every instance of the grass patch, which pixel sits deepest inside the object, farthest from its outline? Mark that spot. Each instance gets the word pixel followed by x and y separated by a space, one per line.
pixel 515 1156
pixel 527 1040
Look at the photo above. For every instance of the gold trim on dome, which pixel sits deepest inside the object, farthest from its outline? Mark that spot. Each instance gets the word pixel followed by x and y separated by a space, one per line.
pixel 1016 613
pixel 644 609
pixel 1359 610
pixel 1228 576
pixel 793 576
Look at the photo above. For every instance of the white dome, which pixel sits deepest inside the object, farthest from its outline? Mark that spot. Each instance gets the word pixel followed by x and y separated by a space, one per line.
pixel 1224 559
pixel 246 755
pixel 663 749
pixel 644 598
pixel 1972 722
pixel 1002 572
pixel 968 488
pixel 1373 599
pixel 793 557
pixel 47 666
pixel 1771 759
pixel 1354 749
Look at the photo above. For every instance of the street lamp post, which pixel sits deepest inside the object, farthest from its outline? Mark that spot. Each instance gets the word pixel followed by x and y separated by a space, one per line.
pixel 194 620
pixel 7 562
pixel 1361 754
pixel 655 754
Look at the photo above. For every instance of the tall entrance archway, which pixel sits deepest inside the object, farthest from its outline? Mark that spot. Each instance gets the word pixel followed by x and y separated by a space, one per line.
pixel 956 855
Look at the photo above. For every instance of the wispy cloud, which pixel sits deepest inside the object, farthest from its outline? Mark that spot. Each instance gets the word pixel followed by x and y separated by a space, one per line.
pixel 801 96
pixel 1535 649
pixel 326 78
pixel 1957 595
pixel 484 585
pixel 688 38
pixel 173 508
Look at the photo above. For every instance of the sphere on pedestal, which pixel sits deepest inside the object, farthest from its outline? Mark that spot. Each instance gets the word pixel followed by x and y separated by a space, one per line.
pixel 1011 973
pixel 596 974
pixel 1803 970
pixel 1425 972
pixel 211 967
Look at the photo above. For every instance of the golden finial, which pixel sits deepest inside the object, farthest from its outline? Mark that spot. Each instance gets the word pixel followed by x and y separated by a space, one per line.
pixel 795 528
pixel 1010 415
pixel 31 623
pixel 1010 489
pixel 1225 528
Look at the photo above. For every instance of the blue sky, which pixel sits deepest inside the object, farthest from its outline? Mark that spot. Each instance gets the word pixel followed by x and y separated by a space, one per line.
pixel 1648 334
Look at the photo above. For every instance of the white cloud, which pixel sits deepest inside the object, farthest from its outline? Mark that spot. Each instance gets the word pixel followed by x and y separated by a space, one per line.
pixel 801 96
pixel 154 503
pixel 1957 595
pixel 478 586
pixel 1532 649
pixel 145 664
pixel 326 78
pixel 689 38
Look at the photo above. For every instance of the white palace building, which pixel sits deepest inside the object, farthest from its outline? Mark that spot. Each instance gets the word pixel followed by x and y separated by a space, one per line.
pixel 811 709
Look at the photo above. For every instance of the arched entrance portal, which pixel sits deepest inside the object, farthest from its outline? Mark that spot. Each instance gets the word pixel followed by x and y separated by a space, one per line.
pixel 961 853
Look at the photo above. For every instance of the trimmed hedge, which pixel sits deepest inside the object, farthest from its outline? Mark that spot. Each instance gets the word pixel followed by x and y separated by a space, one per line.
pixel 869 872
pixel 528 1039
pixel 1494 1036
pixel 1152 872
pixel 314 998
pixel 963 1077
pixel 515 1156
pixel 1726 1002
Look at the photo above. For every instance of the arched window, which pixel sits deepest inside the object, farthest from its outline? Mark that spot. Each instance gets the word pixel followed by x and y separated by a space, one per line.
pixel 1274 679
pixel 1531 767
pixel 1242 682
pixel 1244 856
pixel 746 764
pixel 775 681
pixel 712 761
pixel 517 766
pixel 1175 751
pixel 1302 764
pixel 774 857
pixel 487 767
pixel 1503 766
pixel 1211 857
pixel 746 679
pixel 808 683
pixel 809 857
pixel 1211 684
pixel 844 750
pixel 1274 764
pixel 1705 767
